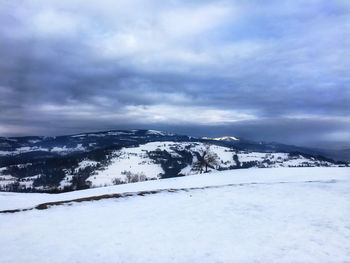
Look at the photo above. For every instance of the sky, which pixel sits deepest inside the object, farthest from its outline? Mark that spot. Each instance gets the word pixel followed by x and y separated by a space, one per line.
pixel 267 70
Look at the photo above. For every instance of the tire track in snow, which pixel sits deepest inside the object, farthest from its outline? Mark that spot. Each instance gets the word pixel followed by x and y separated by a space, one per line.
pixel 44 206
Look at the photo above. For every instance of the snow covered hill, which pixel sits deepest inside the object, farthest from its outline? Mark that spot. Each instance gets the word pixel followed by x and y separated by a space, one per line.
pixel 225 138
pixel 250 215
pixel 80 161
pixel 149 161
pixel 36 147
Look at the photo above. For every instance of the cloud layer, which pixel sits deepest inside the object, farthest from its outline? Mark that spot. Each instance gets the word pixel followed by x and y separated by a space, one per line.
pixel 243 67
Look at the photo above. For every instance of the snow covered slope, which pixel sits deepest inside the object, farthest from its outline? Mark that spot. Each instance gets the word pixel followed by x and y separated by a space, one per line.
pixel 86 160
pixel 225 138
pixel 148 161
pixel 26 200
pixel 254 215
pixel 138 160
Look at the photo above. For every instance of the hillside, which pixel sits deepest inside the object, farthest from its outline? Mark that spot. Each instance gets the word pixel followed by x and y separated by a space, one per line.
pixel 66 163
pixel 251 215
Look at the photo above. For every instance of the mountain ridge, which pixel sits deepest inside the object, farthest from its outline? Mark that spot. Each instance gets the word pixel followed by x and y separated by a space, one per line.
pixel 84 160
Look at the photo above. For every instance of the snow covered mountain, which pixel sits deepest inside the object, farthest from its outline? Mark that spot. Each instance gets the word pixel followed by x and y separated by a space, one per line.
pixel 65 163
pixel 158 160
pixel 225 138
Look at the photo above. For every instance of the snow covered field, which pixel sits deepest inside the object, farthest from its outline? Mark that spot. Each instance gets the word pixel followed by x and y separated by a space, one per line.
pixel 264 215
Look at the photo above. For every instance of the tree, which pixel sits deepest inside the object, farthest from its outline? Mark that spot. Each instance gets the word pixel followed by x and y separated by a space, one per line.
pixel 205 158
pixel 235 158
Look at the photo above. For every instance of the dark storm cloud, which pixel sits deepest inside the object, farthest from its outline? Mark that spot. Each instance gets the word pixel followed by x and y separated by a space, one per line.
pixel 252 70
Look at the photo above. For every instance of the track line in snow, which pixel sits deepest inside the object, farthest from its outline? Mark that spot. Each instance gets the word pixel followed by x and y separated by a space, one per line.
pixel 47 205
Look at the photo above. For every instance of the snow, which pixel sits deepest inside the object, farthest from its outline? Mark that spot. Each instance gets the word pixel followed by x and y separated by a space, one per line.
pixel 26 182
pixel 23 150
pixel 79 147
pixel 224 154
pixel 251 156
pixel 6 179
pixel 66 181
pixel 280 159
pixel 96 134
pixel 86 163
pixel 282 217
pixel 253 175
pixel 137 161
pixel 225 138
pixel 26 149
pixel 154 132
pixel 118 133
pixel 4 153
pixel 134 159
pixel 78 135
pixel 186 170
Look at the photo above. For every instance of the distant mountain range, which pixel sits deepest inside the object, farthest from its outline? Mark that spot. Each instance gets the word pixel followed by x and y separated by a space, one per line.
pixel 225 138
pixel 65 163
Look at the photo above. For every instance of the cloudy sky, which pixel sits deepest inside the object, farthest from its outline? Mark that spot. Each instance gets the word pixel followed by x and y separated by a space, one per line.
pixel 266 70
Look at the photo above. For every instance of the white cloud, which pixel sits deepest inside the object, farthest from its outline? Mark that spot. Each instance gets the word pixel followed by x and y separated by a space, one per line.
pixel 188 22
pixel 147 114
pixel 53 23
pixel 168 114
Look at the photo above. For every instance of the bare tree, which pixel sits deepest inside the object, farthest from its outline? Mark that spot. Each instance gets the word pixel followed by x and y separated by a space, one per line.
pixel 134 177
pixel 205 158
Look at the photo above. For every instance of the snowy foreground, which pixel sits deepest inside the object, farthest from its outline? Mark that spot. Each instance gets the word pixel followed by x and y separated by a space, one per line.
pixel 264 215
